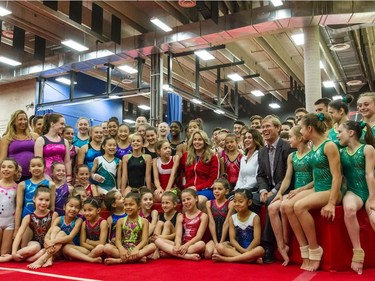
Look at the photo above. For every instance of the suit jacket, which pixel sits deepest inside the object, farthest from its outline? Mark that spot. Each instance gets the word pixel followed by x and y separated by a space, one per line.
pixel 264 175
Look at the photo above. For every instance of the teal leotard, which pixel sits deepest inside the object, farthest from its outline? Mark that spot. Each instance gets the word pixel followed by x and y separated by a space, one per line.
pixel 320 165
pixel 302 169
pixel 354 168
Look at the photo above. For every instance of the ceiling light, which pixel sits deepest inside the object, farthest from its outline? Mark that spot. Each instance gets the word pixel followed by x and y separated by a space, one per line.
pixel 4 12
pixel 299 39
pixel 328 84
pixel 339 47
pixel 196 101
pixel 219 111
pixel 113 97
pixel 128 69
pixel 74 45
pixel 321 65
pixel 257 93
pixel 277 3
pixel 64 80
pixel 204 55
pixel 9 61
pixel 130 121
pixel 354 82
pixel 161 24
pixel 235 77
pixel 337 97
pixel 144 107
pixel 274 105
pixel 166 87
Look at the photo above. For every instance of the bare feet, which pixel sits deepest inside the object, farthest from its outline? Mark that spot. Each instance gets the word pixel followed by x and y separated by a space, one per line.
pixel 192 257
pixel 284 253
pixel 305 264
pixel 36 264
pixel 5 258
pixel 313 265
pixel 97 260
pixel 96 252
pixel 155 255
pixel 357 267
pixel 219 258
pixel 109 261
pixel 315 255
pixel 48 263
pixel 143 260
pixel 259 261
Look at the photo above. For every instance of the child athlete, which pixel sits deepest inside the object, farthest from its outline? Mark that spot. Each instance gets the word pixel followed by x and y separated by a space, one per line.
pixel 8 189
pixel 64 230
pixel 298 167
pixel 82 177
pixel 131 235
pixel 39 222
pixel 325 161
pixel 190 228
pixel 218 211
pixel 114 202
pixel 93 235
pixel 244 233
pixel 358 162
pixel 63 189
pixel 165 169
pixel 147 201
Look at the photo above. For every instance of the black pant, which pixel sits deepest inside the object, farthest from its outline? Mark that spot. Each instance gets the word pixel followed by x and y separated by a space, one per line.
pixel 268 238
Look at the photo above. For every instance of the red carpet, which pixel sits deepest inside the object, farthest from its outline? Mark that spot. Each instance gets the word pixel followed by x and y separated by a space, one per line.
pixel 173 270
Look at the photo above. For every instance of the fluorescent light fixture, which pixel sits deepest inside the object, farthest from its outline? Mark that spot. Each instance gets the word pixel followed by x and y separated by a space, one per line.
pixel 114 97
pixel 196 101
pixel 337 97
pixel 4 12
pixel 299 39
pixel 166 87
pixel 235 77
pixel 74 45
pixel 64 80
pixel 277 3
pixel 9 61
pixel 128 69
pixel 204 55
pixel 274 105
pixel 130 121
pixel 257 93
pixel 219 111
pixel 144 107
pixel 328 84
pixel 161 24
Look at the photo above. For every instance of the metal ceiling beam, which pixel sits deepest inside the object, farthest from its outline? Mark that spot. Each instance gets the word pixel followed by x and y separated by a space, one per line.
pixel 124 18
pixel 265 80
pixel 280 56
pixel 173 11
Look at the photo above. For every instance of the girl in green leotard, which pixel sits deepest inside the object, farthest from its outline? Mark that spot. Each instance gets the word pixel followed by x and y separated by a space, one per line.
pixel 366 107
pixel 325 161
pixel 299 167
pixel 339 110
pixel 358 162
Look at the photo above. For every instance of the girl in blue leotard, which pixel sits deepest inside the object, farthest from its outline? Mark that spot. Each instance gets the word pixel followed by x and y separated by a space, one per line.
pixel 244 233
pixel 64 230
pixel 358 162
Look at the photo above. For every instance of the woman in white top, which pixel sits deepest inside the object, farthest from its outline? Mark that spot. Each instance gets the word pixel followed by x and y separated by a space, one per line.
pixel 253 141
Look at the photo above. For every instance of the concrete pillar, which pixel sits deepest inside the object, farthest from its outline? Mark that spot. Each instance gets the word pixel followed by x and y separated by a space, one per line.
pixel 313 88
pixel 156 97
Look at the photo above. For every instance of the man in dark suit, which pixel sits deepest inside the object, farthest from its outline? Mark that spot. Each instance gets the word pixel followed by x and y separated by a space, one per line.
pixel 272 161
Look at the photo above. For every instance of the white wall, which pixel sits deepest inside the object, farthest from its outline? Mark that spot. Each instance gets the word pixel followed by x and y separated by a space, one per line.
pixel 16 96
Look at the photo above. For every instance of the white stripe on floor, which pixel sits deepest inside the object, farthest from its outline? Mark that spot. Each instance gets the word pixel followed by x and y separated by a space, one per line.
pixel 305 276
pixel 47 274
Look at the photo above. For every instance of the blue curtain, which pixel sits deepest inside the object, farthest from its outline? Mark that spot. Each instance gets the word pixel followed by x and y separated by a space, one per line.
pixel 174 108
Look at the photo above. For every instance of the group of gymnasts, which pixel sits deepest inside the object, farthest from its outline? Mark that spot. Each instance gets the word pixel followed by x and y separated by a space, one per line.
pixel 54 185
